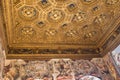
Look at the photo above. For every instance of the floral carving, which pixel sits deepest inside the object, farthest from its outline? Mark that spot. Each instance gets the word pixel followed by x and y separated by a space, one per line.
pixel 111 2
pixel 90 35
pixel 71 33
pixel 80 16
pixel 27 31
pixel 28 13
pixel 56 15
pixel 101 19
pixel 50 32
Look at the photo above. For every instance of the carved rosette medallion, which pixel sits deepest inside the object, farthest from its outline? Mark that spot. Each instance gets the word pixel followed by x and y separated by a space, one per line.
pixel 28 13
pixel 80 16
pixel 27 32
pixel 56 15
pixel 101 19
pixel 51 32
pixel 71 33
pixel 90 34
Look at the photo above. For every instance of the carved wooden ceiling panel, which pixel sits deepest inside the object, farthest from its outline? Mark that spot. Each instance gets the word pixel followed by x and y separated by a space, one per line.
pixel 75 26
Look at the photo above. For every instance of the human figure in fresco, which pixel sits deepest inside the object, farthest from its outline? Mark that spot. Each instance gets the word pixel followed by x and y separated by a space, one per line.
pixel 16 70
pixel 111 68
pixel 11 74
pixel 22 73
pixel 63 69
pixel 101 66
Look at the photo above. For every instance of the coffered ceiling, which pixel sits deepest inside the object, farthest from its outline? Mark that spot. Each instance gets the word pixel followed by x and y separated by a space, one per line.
pixel 60 27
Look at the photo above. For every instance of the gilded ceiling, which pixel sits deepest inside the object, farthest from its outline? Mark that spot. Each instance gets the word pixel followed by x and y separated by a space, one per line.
pixel 49 26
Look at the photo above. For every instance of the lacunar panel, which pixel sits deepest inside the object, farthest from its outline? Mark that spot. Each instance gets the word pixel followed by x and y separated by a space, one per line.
pixel 59 24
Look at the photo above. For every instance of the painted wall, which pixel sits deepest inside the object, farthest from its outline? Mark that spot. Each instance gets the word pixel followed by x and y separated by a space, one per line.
pixel 112 66
pixel 2 60
pixel 56 69
pixel 2 47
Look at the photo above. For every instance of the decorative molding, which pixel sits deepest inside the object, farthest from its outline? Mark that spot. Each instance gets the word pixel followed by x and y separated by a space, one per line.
pixel 51 56
pixel 52 51
pixel 112 42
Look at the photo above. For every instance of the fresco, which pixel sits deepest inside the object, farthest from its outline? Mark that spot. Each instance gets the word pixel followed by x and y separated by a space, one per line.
pixel 112 66
pixel 56 69
pixel 102 68
pixel 116 58
pixel 62 69
pixel 2 60
pixel 84 67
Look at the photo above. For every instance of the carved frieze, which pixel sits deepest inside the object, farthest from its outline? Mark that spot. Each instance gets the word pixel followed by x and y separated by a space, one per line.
pixel 52 51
